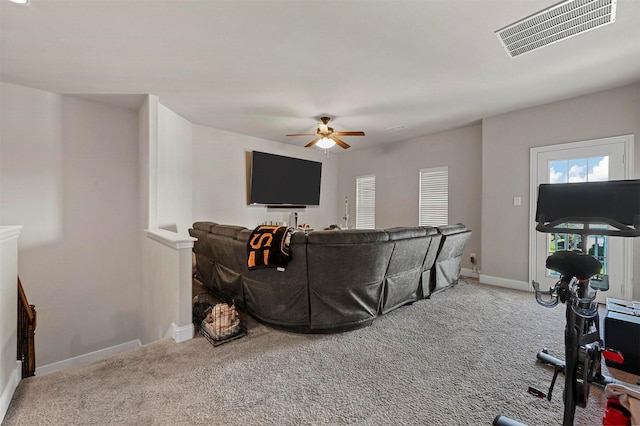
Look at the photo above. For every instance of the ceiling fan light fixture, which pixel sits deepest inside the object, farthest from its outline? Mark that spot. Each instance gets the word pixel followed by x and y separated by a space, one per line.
pixel 325 137
pixel 325 143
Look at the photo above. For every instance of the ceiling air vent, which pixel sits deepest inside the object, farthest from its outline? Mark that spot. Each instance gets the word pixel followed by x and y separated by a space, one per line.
pixel 559 22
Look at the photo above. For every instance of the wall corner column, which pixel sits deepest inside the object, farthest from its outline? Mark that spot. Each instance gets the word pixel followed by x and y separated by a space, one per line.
pixel 10 368
pixel 166 297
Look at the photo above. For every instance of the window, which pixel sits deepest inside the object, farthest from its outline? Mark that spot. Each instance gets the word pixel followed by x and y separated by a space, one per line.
pixel 366 202
pixel 434 197
pixel 592 169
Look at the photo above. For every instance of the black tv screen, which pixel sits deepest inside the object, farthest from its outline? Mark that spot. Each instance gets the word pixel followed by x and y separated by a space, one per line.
pixel 277 180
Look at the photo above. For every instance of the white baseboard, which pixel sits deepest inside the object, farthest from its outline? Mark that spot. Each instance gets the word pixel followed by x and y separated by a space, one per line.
pixel 504 282
pixel 9 390
pixel 466 272
pixel 86 358
pixel 180 334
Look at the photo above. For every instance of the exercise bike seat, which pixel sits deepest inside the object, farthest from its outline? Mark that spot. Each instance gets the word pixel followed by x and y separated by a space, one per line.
pixel 574 264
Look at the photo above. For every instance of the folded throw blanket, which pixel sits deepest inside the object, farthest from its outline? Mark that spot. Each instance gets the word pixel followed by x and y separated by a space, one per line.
pixel 268 247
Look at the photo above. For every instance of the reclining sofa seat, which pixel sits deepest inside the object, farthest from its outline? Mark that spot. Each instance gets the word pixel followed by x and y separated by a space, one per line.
pixel 277 298
pixel 226 272
pixel 346 271
pixel 403 279
pixel 429 262
pixel 448 263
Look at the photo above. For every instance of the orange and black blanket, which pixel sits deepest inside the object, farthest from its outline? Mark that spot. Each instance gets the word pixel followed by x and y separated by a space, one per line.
pixel 268 247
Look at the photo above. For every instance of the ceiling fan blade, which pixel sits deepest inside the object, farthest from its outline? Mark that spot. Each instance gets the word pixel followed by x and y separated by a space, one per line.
pixel 312 143
pixel 349 133
pixel 302 134
pixel 341 143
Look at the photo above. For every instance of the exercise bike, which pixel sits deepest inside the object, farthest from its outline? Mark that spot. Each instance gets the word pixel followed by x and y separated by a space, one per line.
pixel 587 207
pixel 584 349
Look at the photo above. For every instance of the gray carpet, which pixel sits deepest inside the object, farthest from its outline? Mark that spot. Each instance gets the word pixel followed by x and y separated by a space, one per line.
pixel 457 359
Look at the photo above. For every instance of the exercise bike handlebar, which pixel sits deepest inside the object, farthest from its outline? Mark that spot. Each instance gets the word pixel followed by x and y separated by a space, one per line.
pixel 548 299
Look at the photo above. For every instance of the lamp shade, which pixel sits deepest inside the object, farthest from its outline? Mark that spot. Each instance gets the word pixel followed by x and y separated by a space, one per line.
pixel 326 143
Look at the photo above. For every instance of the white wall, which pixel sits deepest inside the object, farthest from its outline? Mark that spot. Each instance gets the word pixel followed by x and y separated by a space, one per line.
pixel 147 132
pixel 396 168
pixel 70 176
pixel 174 199
pixel 507 140
pixel 10 370
pixel 220 177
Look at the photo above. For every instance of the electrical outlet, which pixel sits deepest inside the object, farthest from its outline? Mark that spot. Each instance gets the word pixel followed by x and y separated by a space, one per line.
pixel 473 258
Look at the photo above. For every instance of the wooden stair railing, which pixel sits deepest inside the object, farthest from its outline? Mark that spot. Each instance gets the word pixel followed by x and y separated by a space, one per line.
pixel 27 321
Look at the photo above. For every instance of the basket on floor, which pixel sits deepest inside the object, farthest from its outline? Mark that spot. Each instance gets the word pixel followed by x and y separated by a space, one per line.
pixel 222 324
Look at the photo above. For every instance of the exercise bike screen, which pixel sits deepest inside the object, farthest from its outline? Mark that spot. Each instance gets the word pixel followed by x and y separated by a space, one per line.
pixel 617 200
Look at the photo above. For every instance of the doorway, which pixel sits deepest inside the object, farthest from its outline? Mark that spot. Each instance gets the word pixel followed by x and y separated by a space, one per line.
pixel 586 161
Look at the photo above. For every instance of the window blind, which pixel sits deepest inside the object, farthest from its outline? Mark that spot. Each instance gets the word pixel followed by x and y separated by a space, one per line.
pixel 366 202
pixel 434 197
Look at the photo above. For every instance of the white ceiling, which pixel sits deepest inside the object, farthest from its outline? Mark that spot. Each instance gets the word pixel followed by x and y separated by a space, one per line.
pixel 266 68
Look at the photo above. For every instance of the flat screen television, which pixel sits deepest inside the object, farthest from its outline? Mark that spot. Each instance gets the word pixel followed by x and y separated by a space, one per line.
pixel 277 180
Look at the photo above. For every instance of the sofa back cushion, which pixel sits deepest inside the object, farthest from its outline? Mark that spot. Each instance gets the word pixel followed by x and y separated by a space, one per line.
pixel 230 231
pixel 347 236
pixel 204 226
pixel 410 248
pixel 201 247
pixel 454 239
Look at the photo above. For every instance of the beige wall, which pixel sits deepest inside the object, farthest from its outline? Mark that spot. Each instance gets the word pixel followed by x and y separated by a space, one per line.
pixel 396 168
pixel 506 143
pixel 220 180
pixel 31 162
pixel 70 177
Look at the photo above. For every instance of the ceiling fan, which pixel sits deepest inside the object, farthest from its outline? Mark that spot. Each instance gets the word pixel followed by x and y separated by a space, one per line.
pixel 326 137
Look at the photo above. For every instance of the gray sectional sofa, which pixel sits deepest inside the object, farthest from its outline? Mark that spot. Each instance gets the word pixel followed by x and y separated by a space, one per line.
pixel 335 280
